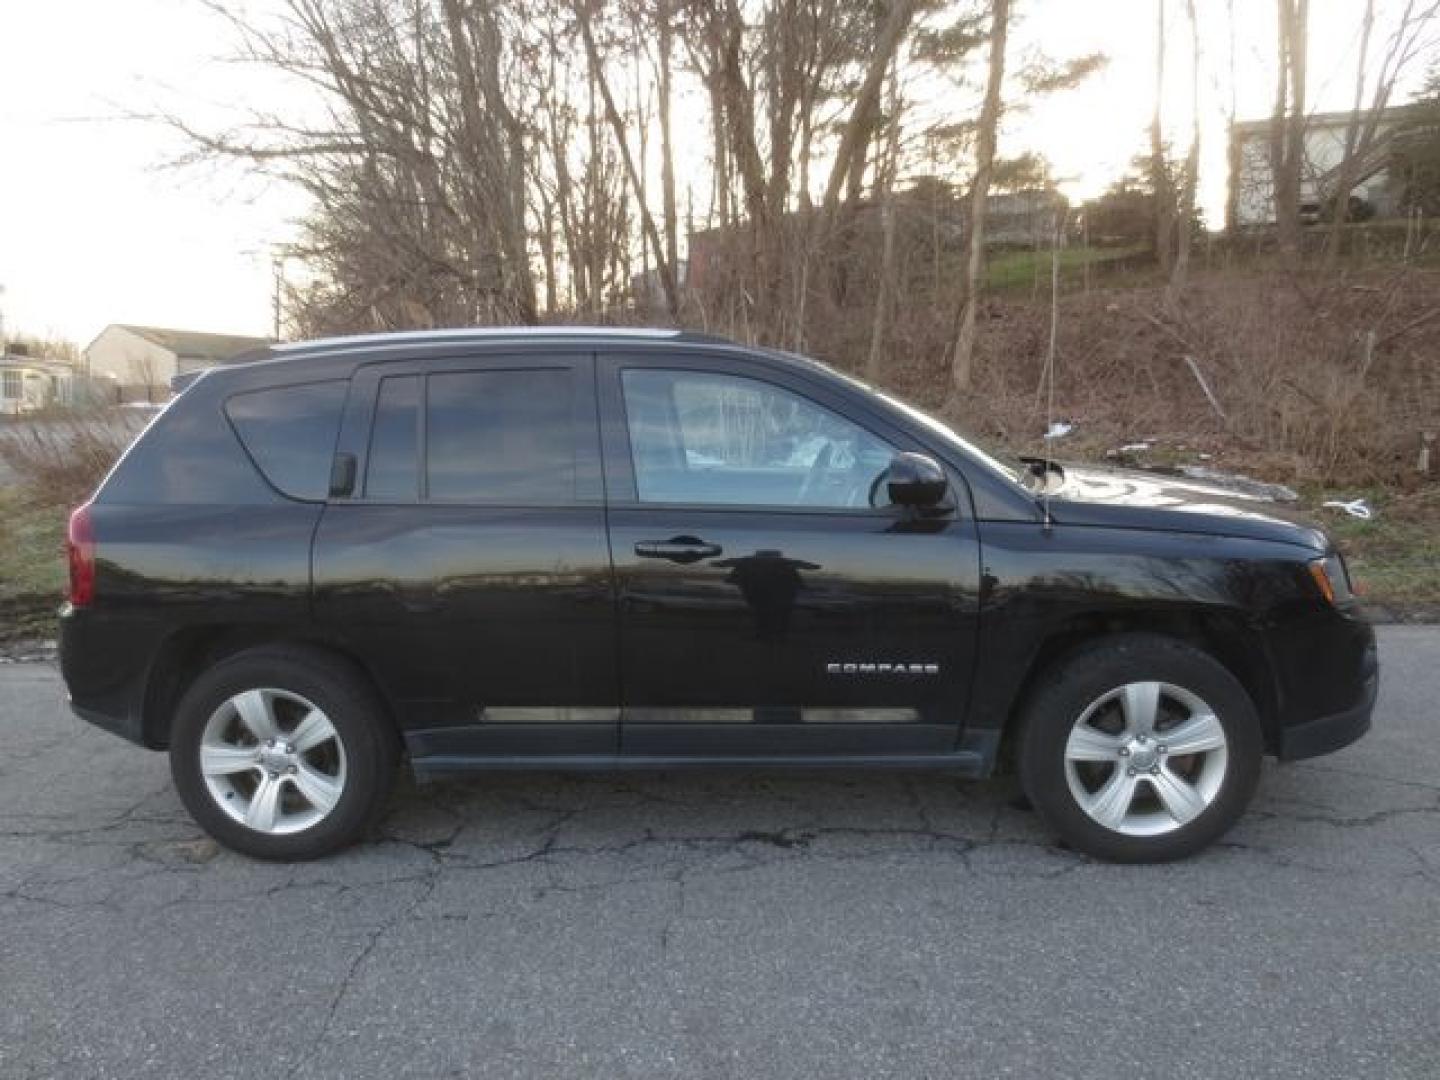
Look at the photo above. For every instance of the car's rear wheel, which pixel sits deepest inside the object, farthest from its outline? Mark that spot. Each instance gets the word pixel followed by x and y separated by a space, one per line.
pixel 1140 749
pixel 282 753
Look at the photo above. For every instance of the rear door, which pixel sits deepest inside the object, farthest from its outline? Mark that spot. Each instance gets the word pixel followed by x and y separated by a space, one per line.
pixel 469 564
pixel 766 607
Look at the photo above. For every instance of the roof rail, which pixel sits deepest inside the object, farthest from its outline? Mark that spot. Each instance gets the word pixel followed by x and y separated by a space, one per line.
pixel 485 333
pixel 704 337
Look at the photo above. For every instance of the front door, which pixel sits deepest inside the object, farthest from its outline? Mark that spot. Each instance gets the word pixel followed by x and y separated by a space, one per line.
pixel 766 606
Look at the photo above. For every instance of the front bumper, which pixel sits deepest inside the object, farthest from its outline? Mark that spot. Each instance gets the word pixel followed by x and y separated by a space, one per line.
pixel 1326 734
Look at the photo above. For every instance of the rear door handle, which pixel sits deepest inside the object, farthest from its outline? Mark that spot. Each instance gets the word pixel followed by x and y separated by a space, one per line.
pixel 680 549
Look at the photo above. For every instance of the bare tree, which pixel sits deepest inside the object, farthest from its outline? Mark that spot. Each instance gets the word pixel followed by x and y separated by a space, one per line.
pixel 835 231
pixel 885 176
pixel 1160 177
pixel 465 168
pixel 1190 173
pixel 1232 149
pixel 849 156
pixel 963 352
pixel 769 72
pixel 664 23
pixel 664 266
pixel 1287 122
pixel 416 160
pixel 1363 155
pixel 491 142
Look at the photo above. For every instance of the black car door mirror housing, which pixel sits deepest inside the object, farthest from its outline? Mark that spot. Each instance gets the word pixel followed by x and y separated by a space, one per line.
pixel 915 480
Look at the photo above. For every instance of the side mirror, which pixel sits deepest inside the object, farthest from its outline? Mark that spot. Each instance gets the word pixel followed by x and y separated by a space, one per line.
pixel 915 480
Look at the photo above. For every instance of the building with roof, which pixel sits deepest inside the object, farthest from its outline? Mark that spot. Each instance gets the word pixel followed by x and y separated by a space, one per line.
pixel 1372 194
pixel 30 383
pixel 140 361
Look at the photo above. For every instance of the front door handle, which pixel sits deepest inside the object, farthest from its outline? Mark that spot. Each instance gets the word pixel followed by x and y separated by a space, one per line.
pixel 680 549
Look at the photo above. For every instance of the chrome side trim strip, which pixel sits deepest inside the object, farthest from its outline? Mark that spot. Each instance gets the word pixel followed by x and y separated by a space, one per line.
pixel 604 714
pixel 804 715
pixel 669 715
pixel 860 716
pixel 549 714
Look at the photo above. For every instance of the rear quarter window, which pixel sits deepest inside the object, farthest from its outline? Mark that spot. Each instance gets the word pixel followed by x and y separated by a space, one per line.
pixel 290 432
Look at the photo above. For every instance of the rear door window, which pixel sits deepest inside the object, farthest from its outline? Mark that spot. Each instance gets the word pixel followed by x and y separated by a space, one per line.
pixel 500 436
pixel 290 432
pixel 492 436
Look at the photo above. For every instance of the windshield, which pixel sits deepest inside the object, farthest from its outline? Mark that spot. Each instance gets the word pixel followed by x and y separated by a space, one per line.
pixel 1012 469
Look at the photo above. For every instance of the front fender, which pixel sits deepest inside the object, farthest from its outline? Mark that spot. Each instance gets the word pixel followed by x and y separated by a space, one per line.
pixel 1045 590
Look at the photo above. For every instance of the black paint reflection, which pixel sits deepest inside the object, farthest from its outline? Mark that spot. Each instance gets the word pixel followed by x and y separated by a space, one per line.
pixel 769 582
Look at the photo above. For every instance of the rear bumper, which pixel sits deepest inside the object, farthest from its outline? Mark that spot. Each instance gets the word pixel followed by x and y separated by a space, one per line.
pixel 105 681
pixel 1326 734
pixel 122 723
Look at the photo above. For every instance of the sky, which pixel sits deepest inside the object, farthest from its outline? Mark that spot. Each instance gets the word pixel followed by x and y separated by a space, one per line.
pixel 96 225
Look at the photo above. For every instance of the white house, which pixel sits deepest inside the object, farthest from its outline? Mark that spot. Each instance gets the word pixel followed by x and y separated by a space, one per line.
pixel 28 383
pixel 1253 191
pixel 140 361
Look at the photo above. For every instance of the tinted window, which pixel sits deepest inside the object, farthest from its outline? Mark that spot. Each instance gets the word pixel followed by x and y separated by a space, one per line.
pixel 703 438
pixel 290 432
pixel 392 472
pixel 500 436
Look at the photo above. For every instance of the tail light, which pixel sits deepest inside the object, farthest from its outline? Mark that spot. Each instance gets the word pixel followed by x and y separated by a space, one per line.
pixel 80 548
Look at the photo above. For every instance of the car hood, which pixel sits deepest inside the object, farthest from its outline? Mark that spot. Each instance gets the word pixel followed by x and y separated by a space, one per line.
pixel 1126 498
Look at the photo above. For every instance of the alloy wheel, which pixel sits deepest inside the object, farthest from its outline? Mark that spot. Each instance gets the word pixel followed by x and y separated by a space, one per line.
pixel 272 760
pixel 1146 758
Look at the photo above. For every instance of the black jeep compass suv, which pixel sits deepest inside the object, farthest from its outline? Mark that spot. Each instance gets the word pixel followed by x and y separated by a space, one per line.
pixel 605 549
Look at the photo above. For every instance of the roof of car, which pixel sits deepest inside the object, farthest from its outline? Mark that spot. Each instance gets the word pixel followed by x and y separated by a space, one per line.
pixel 395 344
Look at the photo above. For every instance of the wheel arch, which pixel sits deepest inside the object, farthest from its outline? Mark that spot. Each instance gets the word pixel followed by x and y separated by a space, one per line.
pixel 188 652
pixel 1223 634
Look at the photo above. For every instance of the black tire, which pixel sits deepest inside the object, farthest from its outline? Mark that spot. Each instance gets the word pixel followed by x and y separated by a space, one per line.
pixel 360 723
pixel 1084 676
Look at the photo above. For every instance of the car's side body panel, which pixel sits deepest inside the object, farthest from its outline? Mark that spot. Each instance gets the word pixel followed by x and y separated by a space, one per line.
pixel 808 630
pixel 492 629
pixel 182 574
pixel 797 636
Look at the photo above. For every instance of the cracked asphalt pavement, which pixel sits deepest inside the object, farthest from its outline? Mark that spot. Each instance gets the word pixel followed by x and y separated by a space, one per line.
pixel 720 925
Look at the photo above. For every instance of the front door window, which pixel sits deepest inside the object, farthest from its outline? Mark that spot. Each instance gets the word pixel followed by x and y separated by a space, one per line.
pixel 702 438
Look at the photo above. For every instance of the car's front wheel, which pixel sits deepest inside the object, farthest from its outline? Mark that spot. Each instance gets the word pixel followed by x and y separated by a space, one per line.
pixel 1140 748
pixel 282 753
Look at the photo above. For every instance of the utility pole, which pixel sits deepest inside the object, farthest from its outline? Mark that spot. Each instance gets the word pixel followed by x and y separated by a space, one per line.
pixel 277 268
